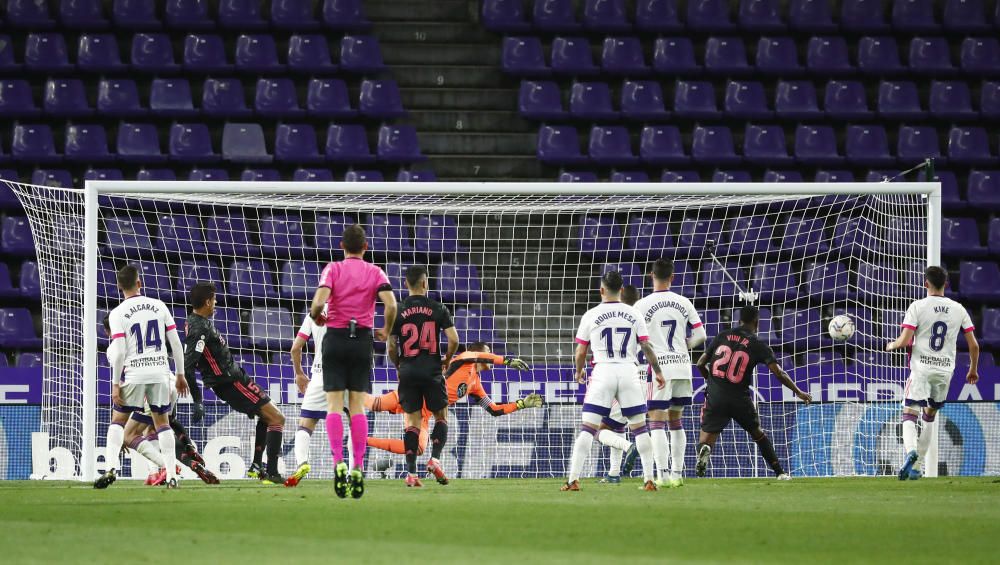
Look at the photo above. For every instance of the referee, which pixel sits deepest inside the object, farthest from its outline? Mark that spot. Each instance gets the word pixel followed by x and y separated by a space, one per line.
pixel 349 288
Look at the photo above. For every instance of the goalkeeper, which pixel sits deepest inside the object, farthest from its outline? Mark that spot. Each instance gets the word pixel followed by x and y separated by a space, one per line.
pixel 462 379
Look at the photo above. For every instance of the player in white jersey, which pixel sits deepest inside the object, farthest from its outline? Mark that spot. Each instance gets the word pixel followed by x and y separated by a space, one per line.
pixel 140 372
pixel 617 332
pixel 613 426
pixel 668 316
pixel 313 408
pixel 931 326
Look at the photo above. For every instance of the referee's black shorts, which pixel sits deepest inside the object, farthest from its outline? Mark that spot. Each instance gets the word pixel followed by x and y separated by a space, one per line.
pixel 720 408
pixel 347 361
pixel 417 390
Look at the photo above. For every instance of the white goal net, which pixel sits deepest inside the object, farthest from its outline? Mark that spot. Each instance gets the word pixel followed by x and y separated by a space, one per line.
pixel 516 269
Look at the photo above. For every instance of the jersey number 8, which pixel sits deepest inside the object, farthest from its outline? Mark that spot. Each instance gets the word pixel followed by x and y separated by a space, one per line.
pixel 938 332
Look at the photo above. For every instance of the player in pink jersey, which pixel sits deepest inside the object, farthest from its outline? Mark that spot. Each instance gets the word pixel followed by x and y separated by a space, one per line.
pixel 349 289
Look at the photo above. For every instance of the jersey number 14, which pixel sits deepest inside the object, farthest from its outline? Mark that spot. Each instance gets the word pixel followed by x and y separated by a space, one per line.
pixel 153 340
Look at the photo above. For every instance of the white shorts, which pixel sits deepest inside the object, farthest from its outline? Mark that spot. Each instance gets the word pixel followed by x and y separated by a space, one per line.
pixel 615 420
pixel 314 400
pixel 146 417
pixel 676 394
pixel 613 381
pixel 926 389
pixel 135 396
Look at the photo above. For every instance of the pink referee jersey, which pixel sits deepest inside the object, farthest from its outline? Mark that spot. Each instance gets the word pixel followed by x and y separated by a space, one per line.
pixel 354 286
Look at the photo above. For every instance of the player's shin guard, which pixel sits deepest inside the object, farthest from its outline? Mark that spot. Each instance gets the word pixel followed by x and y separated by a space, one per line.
pixel 273 448
pixel 116 436
pixel 439 436
pixel 147 450
pixel 924 441
pixel 359 440
pixel 615 460
pixel 613 440
pixel 768 453
pixel 411 442
pixel 661 448
pixel 259 441
pixel 581 449
pixel 909 432
pixel 302 438
pixel 335 433
pixel 644 444
pixel 166 436
pixel 678 444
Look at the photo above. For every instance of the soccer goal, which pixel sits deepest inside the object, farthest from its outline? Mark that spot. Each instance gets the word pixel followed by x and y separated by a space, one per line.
pixel 517 264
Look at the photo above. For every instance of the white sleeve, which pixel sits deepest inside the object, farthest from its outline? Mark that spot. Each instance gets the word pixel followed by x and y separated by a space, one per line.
pixel 305 331
pixel 174 340
pixel 967 322
pixel 641 330
pixel 583 333
pixel 698 333
pixel 116 358
pixel 693 318
pixel 910 319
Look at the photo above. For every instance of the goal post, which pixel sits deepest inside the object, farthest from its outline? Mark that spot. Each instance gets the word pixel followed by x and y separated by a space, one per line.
pixel 516 263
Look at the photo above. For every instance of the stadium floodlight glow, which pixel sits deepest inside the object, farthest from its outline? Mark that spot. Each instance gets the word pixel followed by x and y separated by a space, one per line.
pixel 517 263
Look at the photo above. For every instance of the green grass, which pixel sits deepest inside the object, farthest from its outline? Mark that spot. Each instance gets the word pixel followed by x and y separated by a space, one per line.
pixel 509 521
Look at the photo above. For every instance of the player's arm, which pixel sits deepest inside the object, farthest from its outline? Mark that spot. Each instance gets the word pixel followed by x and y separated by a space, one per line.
pixel 698 333
pixel 320 297
pixel 972 377
pixel 580 361
pixel 392 350
pixel 179 359
pixel 301 380
pixel 388 299
pixel 193 347
pixel 642 334
pixel 452 335
pixel 908 326
pixel 783 377
pixel 702 363
pixel 479 396
pixel 116 359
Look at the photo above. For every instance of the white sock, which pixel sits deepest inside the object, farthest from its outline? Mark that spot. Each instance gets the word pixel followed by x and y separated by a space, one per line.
pixel 147 450
pixel 923 443
pixel 116 435
pixel 909 435
pixel 661 453
pixel 302 439
pixel 166 436
pixel 678 444
pixel 611 439
pixel 581 449
pixel 615 462
pixel 645 447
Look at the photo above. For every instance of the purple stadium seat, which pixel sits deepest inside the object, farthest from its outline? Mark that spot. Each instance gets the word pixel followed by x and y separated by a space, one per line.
pixel 695 232
pixel 415 176
pixel 348 144
pixel 969 145
pixel 570 56
pixel 380 99
pixel 662 146
pixel 599 235
pixel 29 14
pixel 345 15
pixel 731 176
pixel 437 234
pixel 156 281
pixel 156 174
pixel 459 283
pixel 965 16
pixel 709 15
pixel 224 98
pixel 328 98
pixel 475 325
pixel 313 175
pixel 127 237
pixel 87 144
pixel 241 14
pixel 979 280
pixel 984 189
pixel 296 143
pixel 930 55
pixel 714 282
pixel 877 280
pixel 674 56
pixel 868 145
pixel 980 56
pixel 188 14
pixel 17 329
pixel 796 99
pixel 605 16
pixel 568 176
pixel 16 238
pixel 782 176
pixel 52 177
pixel 914 16
pixel 180 234
pixel 329 229
pixel 774 282
pixel 398 144
pixel 228 322
pixel 748 234
pixel 950 197
pixel 811 16
pixel 834 176
pixel 685 280
pixel 642 101
pixel 714 145
pixel 960 238
pixel 846 100
pixel 540 100
pixel 135 14
pixel 293 15
pixel 98 52
pixel 33 143
pixel 560 145
pixel 591 101
pixel 916 143
pixel 363 176
pixel 66 98
pixel 257 54
pixel 119 98
pixel 890 175
pixel 725 56
pixel 171 97
pixel 695 99
pixel 46 52
pixel 766 145
pixel 878 56
pixel 389 234
pixel 629 176
pixel 801 328
pixel 760 15
pixel 522 56
pixel 993 239
pixel 805 236
pixel 16 100
pixel 7 63
pixel 657 16
pixel 623 56
pixel 991 327
pixel 612 146
pixel 862 16
pixel 257 175
pixel 277 98
pixel 310 54
pixel 778 55
pixel 29 282
pixel 816 145
pixel 298 279
pixel 899 100
pixel 648 237
pixel 282 236
pixel 103 174
pixel 227 235
pixel 205 53
pixel 631 273
pixel 152 53
pixel 191 143
pixel 746 99
pixel 250 279
pixel 951 99
pixel 828 56
pixel 244 143
pixel 360 54
pixel 555 16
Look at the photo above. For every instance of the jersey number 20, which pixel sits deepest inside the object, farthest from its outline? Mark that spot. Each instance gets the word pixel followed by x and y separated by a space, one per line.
pixel 731 365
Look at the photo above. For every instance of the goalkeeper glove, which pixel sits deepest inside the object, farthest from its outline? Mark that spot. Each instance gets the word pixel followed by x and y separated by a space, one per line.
pixel 517 364
pixel 533 400
pixel 197 412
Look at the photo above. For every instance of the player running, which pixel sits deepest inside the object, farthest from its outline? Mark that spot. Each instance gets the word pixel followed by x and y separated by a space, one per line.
pixel 413 349
pixel 668 316
pixel 727 366
pixel 617 329
pixel 931 326
pixel 205 350
pixel 140 371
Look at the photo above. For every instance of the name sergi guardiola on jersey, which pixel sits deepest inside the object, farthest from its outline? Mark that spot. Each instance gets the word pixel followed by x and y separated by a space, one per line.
pixel 670 345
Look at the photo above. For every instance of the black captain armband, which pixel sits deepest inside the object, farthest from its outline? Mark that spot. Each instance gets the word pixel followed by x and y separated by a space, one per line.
pixel 384 287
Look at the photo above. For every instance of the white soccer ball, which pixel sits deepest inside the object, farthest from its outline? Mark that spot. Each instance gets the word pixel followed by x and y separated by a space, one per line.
pixel 841 328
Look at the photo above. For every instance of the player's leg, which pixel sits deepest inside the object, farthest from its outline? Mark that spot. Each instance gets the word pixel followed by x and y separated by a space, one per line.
pixel 935 401
pixel 681 394
pixel 436 401
pixel 411 399
pixel 612 434
pixel 275 422
pixel 158 397
pixel 359 384
pixel 136 440
pixel 257 470
pixel 632 399
pixel 659 401
pixel 916 395
pixel 131 402
pixel 334 384
pixel 714 419
pixel 596 405
pixel 388 402
pixel 745 414
pixel 312 410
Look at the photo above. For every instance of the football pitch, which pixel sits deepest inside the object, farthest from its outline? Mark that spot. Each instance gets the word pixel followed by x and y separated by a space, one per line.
pixel 506 521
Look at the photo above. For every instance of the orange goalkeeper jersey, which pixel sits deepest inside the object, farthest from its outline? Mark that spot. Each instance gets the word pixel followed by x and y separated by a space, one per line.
pixel 463 380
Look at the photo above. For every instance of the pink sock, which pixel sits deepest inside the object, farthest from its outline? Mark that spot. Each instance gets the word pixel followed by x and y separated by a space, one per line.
pixel 359 439
pixel 335 433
